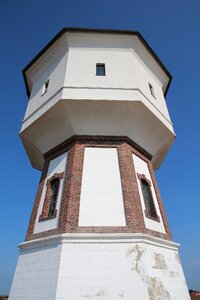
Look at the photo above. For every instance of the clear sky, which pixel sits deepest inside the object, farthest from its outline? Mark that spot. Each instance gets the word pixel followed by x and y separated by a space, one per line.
pixel 172 28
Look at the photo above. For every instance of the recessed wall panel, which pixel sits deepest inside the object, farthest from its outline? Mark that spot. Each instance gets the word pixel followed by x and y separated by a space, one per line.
pixel 101 202
pixel 141 167
pixel 57 165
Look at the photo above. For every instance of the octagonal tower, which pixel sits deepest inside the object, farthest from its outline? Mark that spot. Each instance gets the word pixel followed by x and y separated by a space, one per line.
pixel 97 126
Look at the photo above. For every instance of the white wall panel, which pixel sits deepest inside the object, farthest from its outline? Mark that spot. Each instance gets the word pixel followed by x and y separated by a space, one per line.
pixel 141 167
pixel 36 274
pixel 56 165
pixel 101 202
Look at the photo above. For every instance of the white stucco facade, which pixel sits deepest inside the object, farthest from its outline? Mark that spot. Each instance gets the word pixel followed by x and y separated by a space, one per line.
pixel 74 91
pixel 99 266
pixel 57 165
pixel 141 167
pixel 101 200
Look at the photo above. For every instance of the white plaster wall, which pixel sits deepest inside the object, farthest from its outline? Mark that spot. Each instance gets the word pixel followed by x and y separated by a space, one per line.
pixel 128 65
pixel 101 200
pixel 56 165
pixel 141 167
pixel 71 63
pixel 129 271
pixel 114 266
pixel 36 274
pixel 52 66
pixel 71 67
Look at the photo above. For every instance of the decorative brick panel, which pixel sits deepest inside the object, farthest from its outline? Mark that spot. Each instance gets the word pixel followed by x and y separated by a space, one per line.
pixel 70 202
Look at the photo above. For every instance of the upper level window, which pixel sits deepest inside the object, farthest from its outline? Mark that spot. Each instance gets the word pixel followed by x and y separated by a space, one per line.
pixel 45 87
pixel 100 70
pixel 152 90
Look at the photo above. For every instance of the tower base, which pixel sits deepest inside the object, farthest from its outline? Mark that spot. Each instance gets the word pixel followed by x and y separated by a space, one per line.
pixel 99 266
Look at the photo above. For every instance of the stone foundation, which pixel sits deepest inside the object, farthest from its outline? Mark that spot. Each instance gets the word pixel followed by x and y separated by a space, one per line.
pixel 99 266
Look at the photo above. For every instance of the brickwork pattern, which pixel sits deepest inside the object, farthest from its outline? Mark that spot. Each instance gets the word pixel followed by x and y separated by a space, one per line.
pixel 69 212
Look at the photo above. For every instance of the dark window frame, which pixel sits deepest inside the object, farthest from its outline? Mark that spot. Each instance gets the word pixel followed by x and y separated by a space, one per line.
pixel 54 190
pixel 100 69
pixel 150 209
pixel 49 210
pixel 152 90
pixel 45 87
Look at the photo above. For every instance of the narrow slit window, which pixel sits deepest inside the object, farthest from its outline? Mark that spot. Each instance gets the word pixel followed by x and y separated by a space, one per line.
pixel 152 90
pixel 45 87
pixel 49 210
pixel 148 199
pixel 53 196
pixel 100 70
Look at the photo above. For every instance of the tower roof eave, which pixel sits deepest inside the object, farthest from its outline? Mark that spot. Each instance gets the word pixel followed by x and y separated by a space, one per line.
pixel 92 30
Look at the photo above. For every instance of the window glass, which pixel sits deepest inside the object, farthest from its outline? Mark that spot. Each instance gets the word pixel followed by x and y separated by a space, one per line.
pixel 100 70
pixel 53 196
pixel 45 87
pixel 148 199
pixel 152 90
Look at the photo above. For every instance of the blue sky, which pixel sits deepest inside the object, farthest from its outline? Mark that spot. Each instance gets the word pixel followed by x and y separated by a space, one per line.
pixel 172 28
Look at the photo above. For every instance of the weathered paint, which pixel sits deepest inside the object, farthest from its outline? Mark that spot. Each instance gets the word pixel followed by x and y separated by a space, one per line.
pixel 99 266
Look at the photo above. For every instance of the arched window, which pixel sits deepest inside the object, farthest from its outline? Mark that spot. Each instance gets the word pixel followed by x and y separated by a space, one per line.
pixel 148 199
pixel 150 210
pixel 49 210
pixel 53 196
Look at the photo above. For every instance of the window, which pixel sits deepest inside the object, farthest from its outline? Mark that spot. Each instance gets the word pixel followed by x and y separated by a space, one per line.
pixel 150 210
pixel 49 207
pixel 53 196
pixel 152 91
pixel 100 70
pixel 148 199
pixel 45 87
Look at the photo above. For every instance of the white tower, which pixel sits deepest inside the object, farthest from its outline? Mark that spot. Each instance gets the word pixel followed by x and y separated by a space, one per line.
pixel 97 126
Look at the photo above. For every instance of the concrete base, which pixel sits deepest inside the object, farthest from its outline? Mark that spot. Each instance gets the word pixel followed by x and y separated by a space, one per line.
pixel 99 266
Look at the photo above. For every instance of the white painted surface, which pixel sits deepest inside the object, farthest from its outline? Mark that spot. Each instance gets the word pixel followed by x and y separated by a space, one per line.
pixel 75 56
pixel 70 66
pixel 57 165
pixel 101 201
pixel 125 118
pixel 117 266
pixel 52 67
pixel 36 274
pixel 141 167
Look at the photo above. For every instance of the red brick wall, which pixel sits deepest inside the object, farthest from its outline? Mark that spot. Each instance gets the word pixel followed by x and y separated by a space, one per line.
pixel 69 213
pixel 195 296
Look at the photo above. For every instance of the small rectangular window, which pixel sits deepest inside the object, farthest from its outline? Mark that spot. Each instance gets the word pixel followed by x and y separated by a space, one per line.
pixel 100 70
pixel 152 91
pixel 45 87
